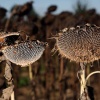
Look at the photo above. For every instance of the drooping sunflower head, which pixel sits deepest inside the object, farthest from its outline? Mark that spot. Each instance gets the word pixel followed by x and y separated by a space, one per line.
pixel 79 44
pixel 24 53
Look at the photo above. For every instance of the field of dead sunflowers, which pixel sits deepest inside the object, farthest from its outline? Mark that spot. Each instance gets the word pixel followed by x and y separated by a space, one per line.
pixel 53 76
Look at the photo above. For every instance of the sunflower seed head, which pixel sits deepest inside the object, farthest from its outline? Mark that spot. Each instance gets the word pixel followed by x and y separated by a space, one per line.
pixel 24 53
pixel 80 44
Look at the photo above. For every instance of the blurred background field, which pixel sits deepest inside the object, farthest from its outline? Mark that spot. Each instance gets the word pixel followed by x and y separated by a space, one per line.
pixel 40 20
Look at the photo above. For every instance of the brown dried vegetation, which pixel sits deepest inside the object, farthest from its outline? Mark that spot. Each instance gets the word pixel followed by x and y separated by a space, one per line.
pixel 45 84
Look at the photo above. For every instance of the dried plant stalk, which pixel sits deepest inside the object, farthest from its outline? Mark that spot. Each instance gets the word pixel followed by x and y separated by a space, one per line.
pixel 95 72
pixel 12 96
pixel 5 35
pixel 30 72
pixel 61 68
pixel 8 21
pixel 8 76
pixel 82 75
pixel 8 91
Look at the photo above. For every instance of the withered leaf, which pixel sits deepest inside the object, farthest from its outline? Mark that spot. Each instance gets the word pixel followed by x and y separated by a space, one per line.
pixel 7 93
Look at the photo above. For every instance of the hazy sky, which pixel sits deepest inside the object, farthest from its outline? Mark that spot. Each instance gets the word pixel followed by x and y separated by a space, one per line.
pixel 41 5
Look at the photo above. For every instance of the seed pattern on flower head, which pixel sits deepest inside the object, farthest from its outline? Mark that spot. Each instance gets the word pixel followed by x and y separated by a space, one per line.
pixel 24 53
pixel 80 44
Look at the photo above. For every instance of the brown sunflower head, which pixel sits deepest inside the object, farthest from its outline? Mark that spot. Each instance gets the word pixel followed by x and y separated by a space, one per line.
pixel 79 44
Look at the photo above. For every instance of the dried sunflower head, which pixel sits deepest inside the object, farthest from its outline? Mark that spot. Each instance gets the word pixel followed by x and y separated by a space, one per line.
pixel 79 44
pixel 24 53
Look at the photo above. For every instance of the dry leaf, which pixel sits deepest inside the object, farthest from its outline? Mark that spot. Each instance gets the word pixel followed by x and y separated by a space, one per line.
pixel 85 96
pixel 7 93
pixel 8 74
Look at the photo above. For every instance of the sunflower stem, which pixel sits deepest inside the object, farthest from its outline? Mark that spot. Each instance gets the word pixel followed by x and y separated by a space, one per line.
pixel 13 96
pixel 82 75
pixel 30 72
